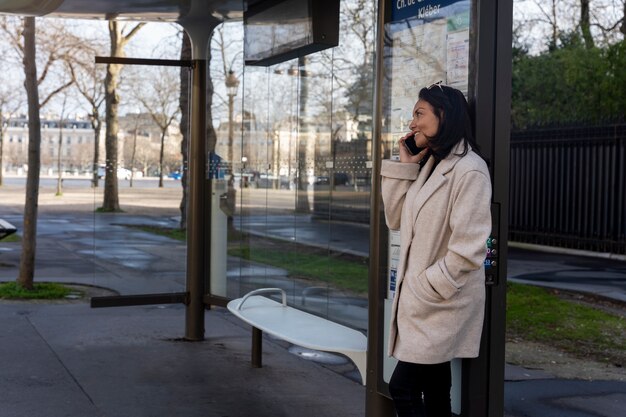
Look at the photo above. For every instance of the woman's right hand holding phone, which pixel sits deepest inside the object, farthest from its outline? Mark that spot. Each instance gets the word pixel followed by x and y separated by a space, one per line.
pixel 406 156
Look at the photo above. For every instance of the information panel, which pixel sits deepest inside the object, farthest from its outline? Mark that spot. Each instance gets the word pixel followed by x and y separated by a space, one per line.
pixel 426 41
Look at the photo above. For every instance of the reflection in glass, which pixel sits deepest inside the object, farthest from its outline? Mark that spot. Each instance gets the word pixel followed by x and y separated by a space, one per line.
pixel 142 249
pixel 301 177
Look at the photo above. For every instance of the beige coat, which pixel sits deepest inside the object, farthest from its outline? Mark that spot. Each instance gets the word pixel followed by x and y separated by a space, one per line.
pixel 444 223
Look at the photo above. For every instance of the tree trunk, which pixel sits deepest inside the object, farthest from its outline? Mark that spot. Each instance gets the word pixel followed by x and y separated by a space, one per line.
pixel 185 54
pixel 96 125
pixel 112 100
pixel 585 23
pixel 163 133
pixel 302 203
pixel 29 232
pixel 211 136
pixel 132 155
pixel 111 195
pixel 59 167
pixel 555 29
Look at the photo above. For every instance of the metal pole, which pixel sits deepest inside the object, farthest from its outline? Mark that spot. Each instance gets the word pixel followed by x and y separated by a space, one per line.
pixel 501 135
pixel 257 348
pixel 376 404
pixel 196 234
pixel 483 377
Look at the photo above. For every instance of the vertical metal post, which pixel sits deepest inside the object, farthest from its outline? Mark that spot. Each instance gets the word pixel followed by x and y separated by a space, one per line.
pixel 198 199
pixel 501 154
pixel 376 405
pixel 483 377
pixel 257 348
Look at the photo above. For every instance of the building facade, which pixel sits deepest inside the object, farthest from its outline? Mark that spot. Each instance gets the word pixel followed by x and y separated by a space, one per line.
pixel 72 145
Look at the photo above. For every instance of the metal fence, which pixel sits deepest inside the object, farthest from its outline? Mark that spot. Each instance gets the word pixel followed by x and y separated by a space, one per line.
pixel 568 187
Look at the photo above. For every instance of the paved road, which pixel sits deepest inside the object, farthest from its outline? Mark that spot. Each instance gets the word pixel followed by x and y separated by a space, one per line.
pixel 605 277
pixel 82 182
pixel 601 276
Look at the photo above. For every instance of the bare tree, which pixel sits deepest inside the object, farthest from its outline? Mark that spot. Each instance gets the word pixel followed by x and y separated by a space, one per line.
pixel 585 23
pixel 609 18
pixel 8 107
pixel 8 101
pixel 599 22
pixel 119 40
pixel 228 72
pixel 27 260
pixel 88 80
pixel 56 45
pixel 222 45
pixel 60 149
pixel 134 150
pixel 302 202
pixel 622 25
pixel 360 21
pixel 159 99
pixel 551 18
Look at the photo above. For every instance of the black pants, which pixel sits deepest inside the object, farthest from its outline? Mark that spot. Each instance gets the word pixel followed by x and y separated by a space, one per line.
pixel 421 390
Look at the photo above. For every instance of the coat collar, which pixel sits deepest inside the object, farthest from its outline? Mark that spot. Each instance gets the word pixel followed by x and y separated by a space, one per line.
pixel 437 178
pixel 450 161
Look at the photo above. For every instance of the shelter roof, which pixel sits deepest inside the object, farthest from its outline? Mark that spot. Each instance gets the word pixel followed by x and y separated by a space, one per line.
pixel 146 10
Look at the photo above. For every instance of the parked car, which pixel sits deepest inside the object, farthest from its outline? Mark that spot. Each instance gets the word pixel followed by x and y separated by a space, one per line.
pixel 341 178
pixel 175 175
pixel 322 180
pixel 122 173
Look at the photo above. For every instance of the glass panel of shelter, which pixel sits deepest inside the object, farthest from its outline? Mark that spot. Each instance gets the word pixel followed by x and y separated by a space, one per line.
pixel 300 170
pixel 127 252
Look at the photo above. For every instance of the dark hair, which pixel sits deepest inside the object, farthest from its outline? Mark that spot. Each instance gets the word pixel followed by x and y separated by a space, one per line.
pixel 455 122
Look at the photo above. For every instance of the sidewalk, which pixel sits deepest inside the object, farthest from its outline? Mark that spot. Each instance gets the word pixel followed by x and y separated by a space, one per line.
pixel 69 360
pixel 72 361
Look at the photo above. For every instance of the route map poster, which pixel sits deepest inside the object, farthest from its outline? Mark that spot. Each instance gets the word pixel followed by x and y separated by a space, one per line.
pixel 426 41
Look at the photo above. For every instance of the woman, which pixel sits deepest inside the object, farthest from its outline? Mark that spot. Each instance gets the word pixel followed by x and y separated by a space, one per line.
pixel 439 199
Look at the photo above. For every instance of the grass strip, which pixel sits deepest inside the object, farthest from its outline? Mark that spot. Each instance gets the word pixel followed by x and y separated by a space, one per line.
pixel 540 315
pixel 177 234
pixel 41 291
pixel 341 273
pixel 11 238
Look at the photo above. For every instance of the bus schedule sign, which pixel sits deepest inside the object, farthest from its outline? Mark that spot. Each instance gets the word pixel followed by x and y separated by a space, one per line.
pixel 421 9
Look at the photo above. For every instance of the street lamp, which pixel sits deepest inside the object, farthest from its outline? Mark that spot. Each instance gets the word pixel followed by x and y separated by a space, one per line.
pixel 232 83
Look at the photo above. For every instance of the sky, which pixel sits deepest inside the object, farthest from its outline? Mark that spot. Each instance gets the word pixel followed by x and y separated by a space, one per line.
pixel 154 40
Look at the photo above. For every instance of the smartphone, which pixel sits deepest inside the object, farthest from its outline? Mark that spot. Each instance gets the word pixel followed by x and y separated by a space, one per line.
pixel 412 146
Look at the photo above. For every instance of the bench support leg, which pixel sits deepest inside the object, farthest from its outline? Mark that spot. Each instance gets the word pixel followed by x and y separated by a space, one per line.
pixel 257 348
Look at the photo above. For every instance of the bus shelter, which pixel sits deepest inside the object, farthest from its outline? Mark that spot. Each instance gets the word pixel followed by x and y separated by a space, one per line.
pixel 325 98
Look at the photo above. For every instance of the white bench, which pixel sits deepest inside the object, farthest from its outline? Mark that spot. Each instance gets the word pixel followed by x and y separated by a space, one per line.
pixel 298 327
pixel 6 229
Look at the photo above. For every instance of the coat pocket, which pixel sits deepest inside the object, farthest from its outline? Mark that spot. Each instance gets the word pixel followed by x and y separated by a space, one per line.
pixel 421 288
